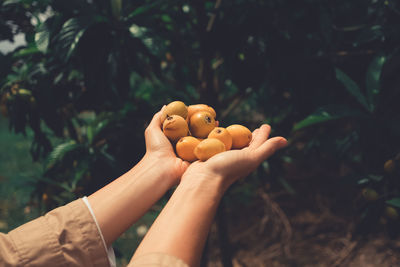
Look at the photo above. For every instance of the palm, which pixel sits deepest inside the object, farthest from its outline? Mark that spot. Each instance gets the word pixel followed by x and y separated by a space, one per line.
pixel 233 164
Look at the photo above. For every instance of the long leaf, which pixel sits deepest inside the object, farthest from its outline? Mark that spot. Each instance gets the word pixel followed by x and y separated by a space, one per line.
pixel 373 79
pixel 352 88
pixel 72 32
pixel 60 151
pixel 327 113
pixel 42 37
pixel 394 202
pixel 10 2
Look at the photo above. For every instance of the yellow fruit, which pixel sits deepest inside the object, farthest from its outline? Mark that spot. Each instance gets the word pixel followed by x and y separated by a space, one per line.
pixel 370 194
pixel 201 124
pixel 185 148
pixel 175 108
pixel 175 127
pixel 222 135
pixel 192 109
pixel 391 213
pixel 389 166
pixel 241 136
pixel 208 148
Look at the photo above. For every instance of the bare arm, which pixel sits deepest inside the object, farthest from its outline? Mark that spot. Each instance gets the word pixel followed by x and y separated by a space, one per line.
pixel 122 202
pixel 182 227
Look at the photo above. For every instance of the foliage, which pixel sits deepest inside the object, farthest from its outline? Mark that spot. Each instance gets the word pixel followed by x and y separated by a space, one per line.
pixel 92 74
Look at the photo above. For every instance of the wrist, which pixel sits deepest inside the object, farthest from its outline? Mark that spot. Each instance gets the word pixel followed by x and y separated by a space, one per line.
pixel 212 185
pixel 159 169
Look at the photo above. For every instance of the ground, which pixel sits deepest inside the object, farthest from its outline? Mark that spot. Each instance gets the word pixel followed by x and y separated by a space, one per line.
pixel 263 234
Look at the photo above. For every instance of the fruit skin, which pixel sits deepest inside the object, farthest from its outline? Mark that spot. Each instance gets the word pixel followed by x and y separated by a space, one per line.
pixel 391 213
pixel 370 194
pixel 208 148
pixel 192 109
pixel 241 136
pixel 175 108
pixel 175 127
pixel 201 124
pixel 185 148
pixel 389 166
pixel 222 135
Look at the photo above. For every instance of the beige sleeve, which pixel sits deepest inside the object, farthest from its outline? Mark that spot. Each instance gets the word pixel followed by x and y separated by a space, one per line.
pixel 66 236
pixel 157 260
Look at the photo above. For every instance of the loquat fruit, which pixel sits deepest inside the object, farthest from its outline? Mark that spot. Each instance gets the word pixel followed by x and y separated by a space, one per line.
pixel 223 135
pixel 208 148
pixel 370 194
pixel 175 108
pixel 389 166
pixel 185 148
pixel 175 127
pixel 201 124
pixel 391 213
pixel 192 109
pixel 241 136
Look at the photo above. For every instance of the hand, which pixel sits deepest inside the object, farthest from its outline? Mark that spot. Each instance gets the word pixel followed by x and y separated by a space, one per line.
pixel 160 151
pixel 233 164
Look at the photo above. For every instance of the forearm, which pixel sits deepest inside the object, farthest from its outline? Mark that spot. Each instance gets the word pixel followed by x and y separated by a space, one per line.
pixel 122 202
pixel 183 225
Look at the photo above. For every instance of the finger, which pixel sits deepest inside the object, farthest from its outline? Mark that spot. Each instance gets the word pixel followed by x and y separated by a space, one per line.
pixel 269 147
pixel 262 136
pixel 253 135
pixel 153 132
pixel 156 121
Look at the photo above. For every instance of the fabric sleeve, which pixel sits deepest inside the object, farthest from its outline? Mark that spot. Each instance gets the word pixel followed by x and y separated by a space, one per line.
pixel 157 260
pixel 66 236
pixel 110 250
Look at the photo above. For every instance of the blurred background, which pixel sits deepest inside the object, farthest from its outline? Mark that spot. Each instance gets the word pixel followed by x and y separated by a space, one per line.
pixel 81 79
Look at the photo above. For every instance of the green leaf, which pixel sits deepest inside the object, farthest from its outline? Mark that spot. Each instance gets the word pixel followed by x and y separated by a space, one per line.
pixel 141 10
pixel 373 79
pixel 376 178
pixel 327 113
pixel 394 202
pixel 10 2
pixel 60 151
pixel 26 52
pixel 72 32
pixel 42 38
pixel 363 181
pixel 352 88
pixel 90 134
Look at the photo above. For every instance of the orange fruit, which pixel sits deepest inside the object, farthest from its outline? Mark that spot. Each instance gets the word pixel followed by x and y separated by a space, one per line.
pixel 222 135
pixel 208 148
pixel 175 108
pixel 370 194
pixel 201 124
pixel 175 127
pixel 192 109
pixel 389 166
pixel 185 148
pixel 241 136
pixel 391 213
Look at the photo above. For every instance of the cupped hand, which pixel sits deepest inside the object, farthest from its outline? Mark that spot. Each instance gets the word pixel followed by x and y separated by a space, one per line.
pixel 231 165
pixel 160 151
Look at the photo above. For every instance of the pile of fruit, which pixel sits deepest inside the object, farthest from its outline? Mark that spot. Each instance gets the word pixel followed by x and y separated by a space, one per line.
pixel 194 131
